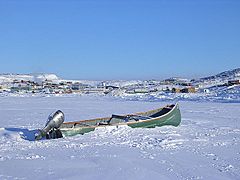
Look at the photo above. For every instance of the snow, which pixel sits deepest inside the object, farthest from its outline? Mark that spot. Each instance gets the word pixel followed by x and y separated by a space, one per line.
pixel 4 78
pixel 215 94
pixel 42 77
pixel 205 146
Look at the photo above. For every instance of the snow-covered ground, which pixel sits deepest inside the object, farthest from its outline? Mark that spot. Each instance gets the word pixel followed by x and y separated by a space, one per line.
pixel 205 146
pixel 216 94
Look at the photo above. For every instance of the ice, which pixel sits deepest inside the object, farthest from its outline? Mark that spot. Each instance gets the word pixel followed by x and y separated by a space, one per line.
pixel 205 146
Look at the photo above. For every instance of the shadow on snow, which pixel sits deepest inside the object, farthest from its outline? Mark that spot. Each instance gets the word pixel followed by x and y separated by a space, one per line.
pixel 24 133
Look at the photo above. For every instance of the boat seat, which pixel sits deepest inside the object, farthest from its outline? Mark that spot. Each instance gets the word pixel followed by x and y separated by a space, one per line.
pixel 117 119
pixel 103 123
pixel 127 118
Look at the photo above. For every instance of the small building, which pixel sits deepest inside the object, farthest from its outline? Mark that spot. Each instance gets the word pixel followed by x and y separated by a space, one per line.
pixel 167 90
pixel 69 83
pixel 79 86
pixel 233 82
pixel 153 90
pixel 111 87
pixel 15 81
pixel 68 91
pixel 188 90
pixel 141 90
pixel 169 81
pixel 184 84
pixel 176 90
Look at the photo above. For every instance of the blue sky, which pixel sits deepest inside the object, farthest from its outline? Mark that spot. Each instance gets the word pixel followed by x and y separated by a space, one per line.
pixel 119 39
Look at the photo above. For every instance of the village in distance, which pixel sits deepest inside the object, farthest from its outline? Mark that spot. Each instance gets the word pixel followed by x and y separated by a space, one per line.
pixel 52 84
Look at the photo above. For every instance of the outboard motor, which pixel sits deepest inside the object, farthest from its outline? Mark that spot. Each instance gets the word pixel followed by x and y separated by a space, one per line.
pixel 51 129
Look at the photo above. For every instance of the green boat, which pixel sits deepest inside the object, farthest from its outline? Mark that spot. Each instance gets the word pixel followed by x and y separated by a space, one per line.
pixel 168 115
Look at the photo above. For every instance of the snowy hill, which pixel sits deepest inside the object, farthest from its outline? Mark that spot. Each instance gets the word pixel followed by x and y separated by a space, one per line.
pixel 226 75
pixel 43 77
pixel 218 79
pixel 5 78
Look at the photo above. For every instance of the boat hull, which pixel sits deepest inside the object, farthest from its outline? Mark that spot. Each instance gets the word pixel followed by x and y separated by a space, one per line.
pixel 173 118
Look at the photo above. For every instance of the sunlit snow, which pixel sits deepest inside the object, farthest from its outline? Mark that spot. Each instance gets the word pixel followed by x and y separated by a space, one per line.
pixel 205 145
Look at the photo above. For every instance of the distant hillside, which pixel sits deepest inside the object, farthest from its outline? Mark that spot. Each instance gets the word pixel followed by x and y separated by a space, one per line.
pixel 27 77
pixel 226 75
pixel 218 79
pixel 209 81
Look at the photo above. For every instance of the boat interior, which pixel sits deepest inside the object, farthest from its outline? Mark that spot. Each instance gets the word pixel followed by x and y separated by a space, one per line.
pixel 115 119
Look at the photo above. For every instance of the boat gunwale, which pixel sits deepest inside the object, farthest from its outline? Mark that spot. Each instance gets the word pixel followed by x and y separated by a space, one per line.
pixel 158 117
pixel 126 123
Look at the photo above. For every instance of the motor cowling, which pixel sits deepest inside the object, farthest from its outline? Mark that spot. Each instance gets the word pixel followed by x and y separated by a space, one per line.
pixel 54 121
pixel 51 129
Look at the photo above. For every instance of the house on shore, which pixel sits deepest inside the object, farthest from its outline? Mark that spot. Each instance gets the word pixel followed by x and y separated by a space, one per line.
pixel 176 90
pixel 188 90
pixel 180 89
pixel 233 82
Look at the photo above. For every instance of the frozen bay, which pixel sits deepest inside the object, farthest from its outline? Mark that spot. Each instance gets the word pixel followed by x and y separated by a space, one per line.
pixel 205 146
